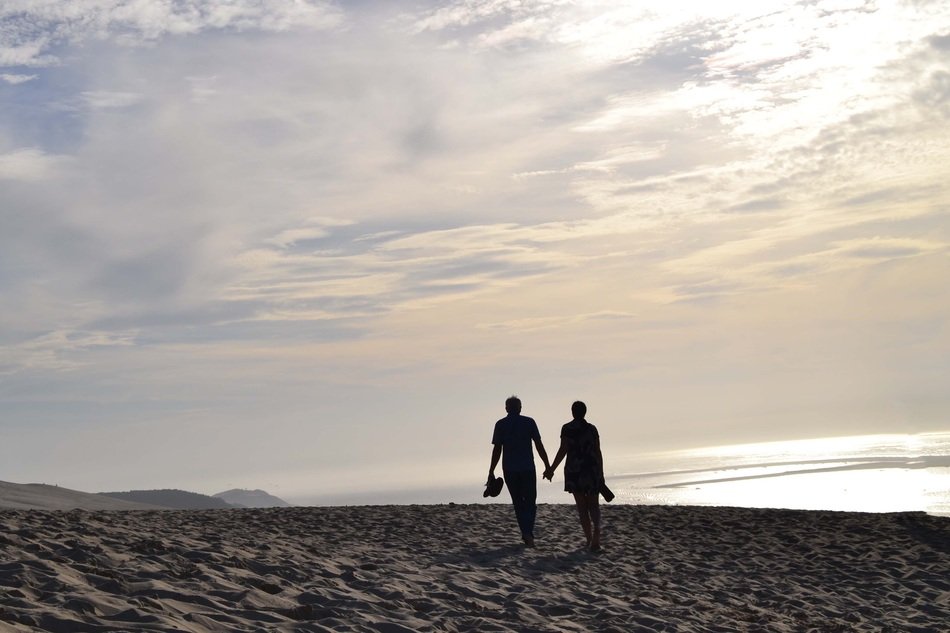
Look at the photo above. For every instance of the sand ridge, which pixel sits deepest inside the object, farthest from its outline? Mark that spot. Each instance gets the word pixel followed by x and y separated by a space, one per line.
pixel 462 568
pixel 47 497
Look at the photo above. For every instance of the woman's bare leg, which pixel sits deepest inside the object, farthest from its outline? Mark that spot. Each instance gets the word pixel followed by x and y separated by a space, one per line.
pixel 584 514
pixel 593 510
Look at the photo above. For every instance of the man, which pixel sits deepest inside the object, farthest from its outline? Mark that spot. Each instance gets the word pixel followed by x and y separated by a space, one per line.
pixel 512 440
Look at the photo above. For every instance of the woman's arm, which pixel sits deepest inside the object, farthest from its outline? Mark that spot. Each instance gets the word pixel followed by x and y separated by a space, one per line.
pixel 561 452
pixel 599 457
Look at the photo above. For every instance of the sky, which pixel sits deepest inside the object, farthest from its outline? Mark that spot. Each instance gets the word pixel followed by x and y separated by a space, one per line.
pixel 312 246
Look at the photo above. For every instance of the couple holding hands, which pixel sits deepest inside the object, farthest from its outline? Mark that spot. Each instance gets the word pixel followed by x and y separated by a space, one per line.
pixel 583 472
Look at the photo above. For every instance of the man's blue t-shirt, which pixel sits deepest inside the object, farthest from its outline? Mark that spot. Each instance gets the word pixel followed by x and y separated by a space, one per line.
pixel 515 434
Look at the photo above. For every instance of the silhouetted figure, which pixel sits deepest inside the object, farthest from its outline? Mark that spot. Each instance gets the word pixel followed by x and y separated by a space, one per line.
pixel 512 442
pixel 583 472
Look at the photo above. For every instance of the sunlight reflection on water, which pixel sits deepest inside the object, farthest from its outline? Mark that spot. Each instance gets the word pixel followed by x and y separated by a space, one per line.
pixel 877 473
pixel 884 473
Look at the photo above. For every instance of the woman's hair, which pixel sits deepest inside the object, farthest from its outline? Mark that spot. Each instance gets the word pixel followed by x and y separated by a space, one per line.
pixel 579 409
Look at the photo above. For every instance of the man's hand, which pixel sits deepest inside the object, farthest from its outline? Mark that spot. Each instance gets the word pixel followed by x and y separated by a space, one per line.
pixel 548 474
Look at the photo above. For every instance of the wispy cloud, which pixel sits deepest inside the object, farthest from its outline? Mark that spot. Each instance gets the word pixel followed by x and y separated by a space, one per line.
pixel 108 99
pixel 557 322
pixel 16 79
pixel 879 248
pixel 60 350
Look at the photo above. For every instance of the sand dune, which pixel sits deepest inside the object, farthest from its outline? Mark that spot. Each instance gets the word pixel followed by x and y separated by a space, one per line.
pixel 46 497
pixel 461 568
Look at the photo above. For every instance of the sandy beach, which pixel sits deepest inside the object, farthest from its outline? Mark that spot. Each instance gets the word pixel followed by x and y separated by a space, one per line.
pixel 462 568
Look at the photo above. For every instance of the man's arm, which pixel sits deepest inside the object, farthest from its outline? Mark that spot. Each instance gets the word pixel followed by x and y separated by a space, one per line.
pixel 542 453
pixel 495 456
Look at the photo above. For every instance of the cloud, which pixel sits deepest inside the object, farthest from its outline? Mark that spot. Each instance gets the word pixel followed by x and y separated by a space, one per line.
pixel 314 229
pixel 757 205
pixel 891 195
pixel 879 248
pixel 292 237
pixel 17 79
pixel 24 53
pixel 496 188
pixel 467 12
pixel 29 164
pixel 369 275
pixel 709 289
pixel 940 42
pixel 60 350
pixel 105 99
pixel 935 93
pixel 32 29
pixel 557 322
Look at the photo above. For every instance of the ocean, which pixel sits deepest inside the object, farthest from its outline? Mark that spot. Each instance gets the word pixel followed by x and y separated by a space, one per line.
pixel 868 473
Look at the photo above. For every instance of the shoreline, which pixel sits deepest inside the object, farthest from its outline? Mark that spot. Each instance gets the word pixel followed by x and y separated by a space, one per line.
pixel 462 568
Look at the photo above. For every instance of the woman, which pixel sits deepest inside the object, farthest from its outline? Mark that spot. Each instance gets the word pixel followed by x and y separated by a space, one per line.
pixel 584 471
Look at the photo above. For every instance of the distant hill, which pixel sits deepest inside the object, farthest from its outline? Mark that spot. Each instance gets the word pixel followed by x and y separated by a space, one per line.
pixel 46 497
pixel 174 499
pixel 252 499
